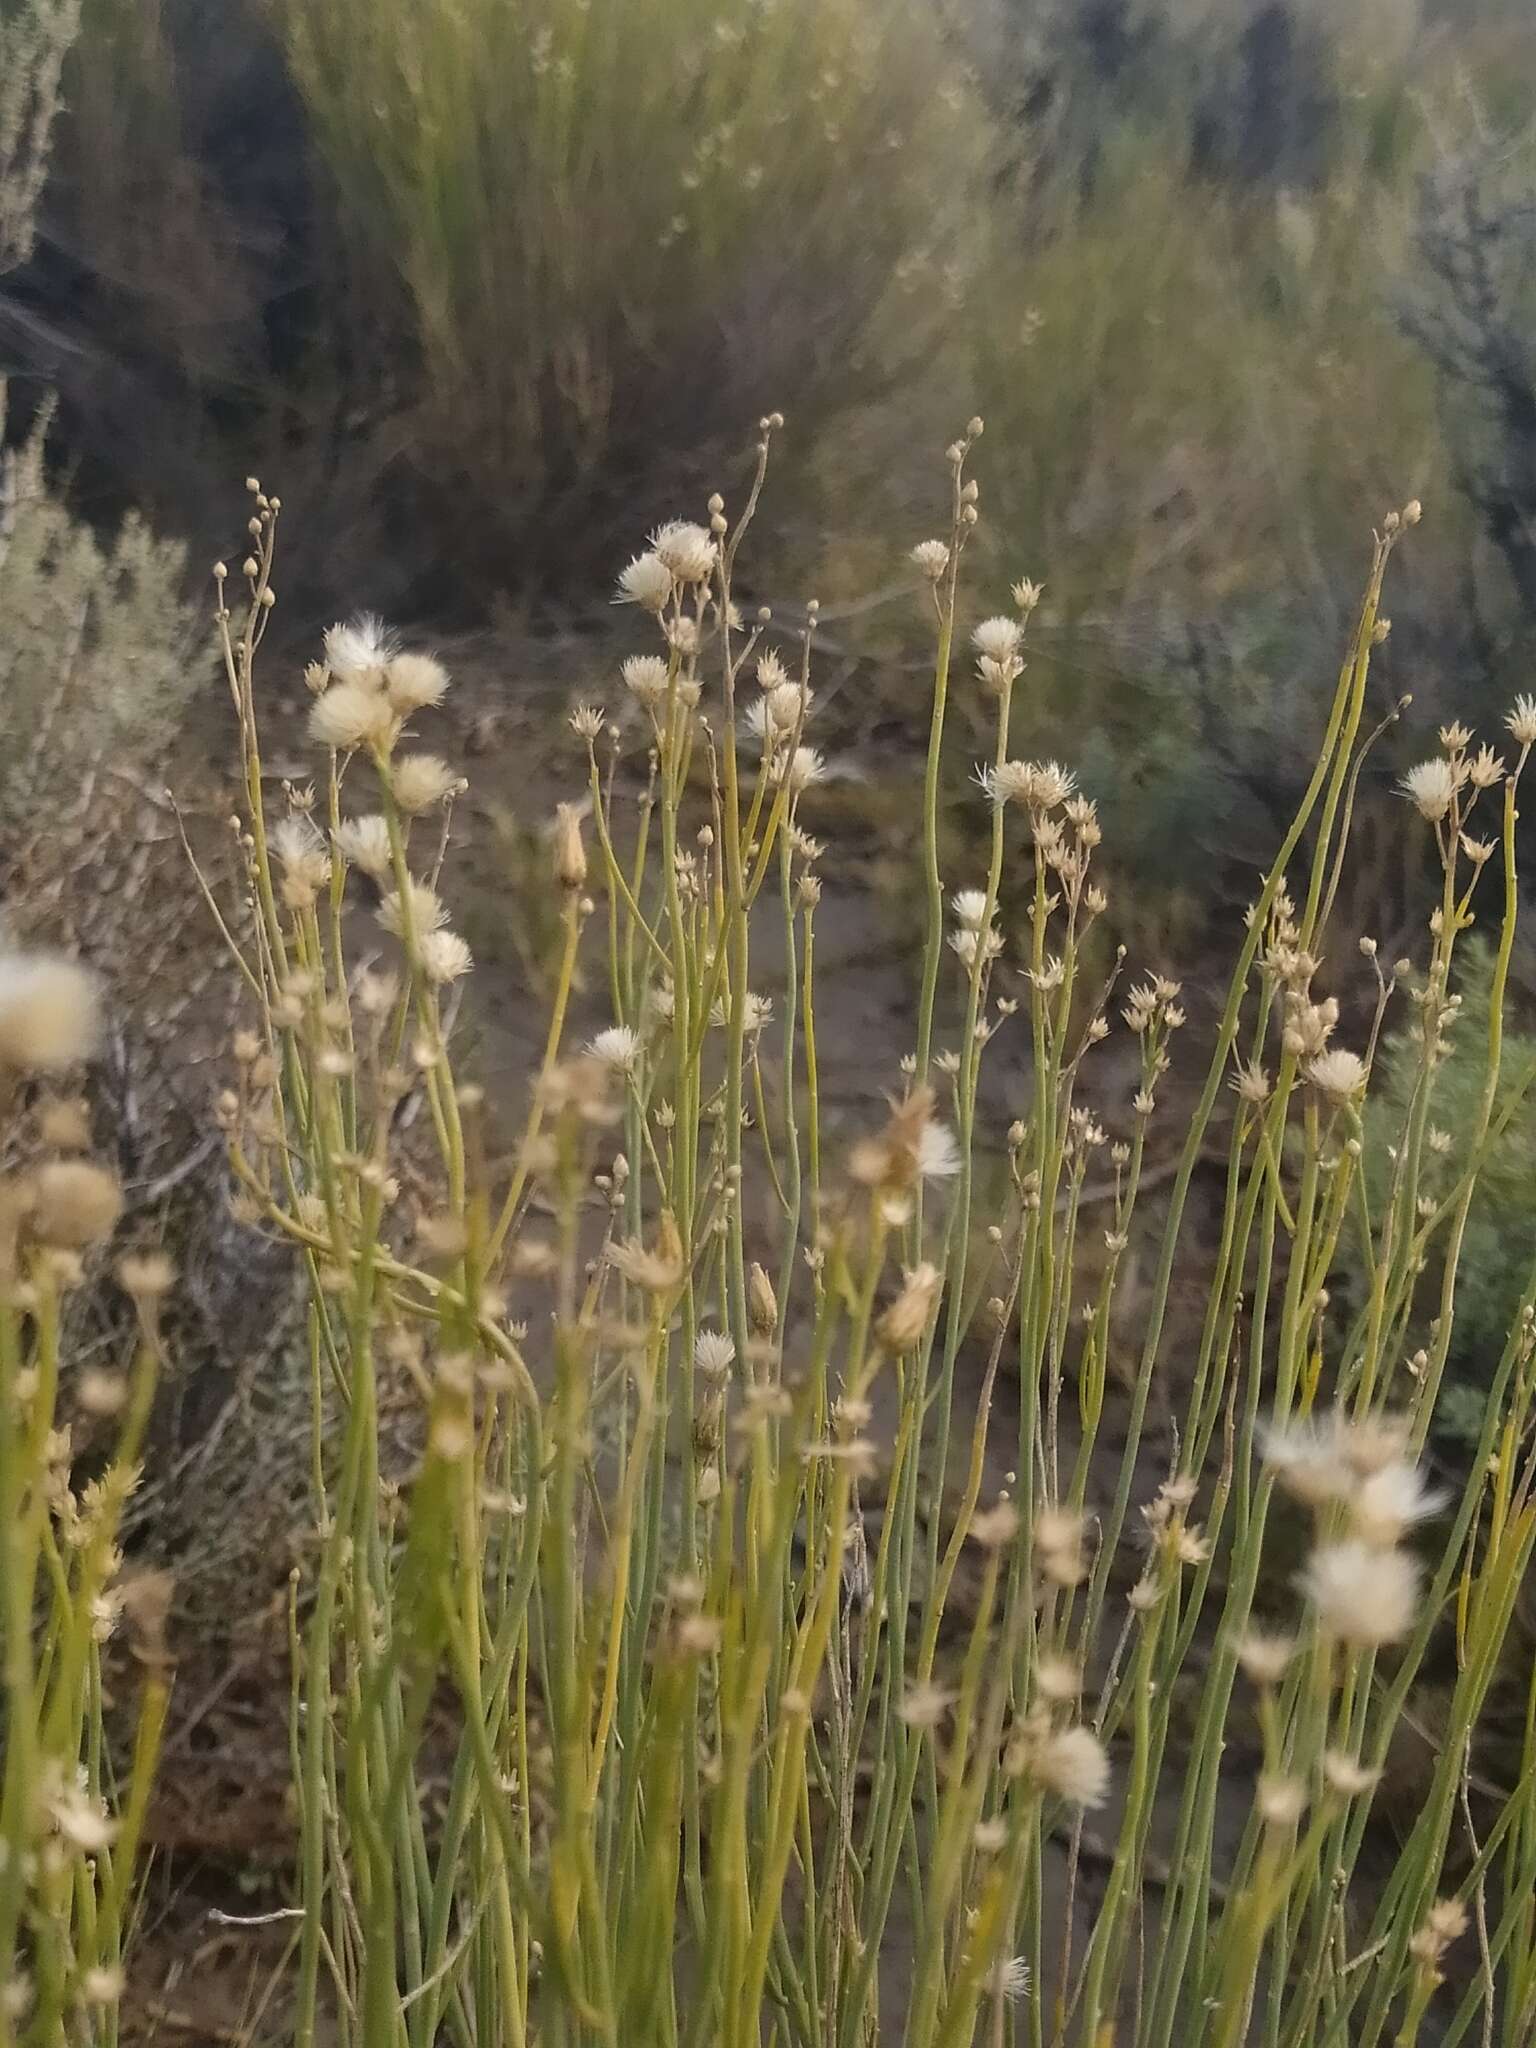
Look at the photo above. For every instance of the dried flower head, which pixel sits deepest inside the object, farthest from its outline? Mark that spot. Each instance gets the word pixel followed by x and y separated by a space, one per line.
pixel 655 1268
pixel 302 853
pixel 1521 721
pixel 938 1152
pixel 83 1822
pixel 762 1302
pixel 1252 1083
pixel 49 1013
pixel 102 1984
pixel 1058 1680
pixel 65 1125
pixel 1485 770
pixel 1307 1460
pixel 1444 1923
pixel 903 1323
pixel 1430 788
pixel 1039 785
pixel 931 558
pixel 570 853
pixel 994 1528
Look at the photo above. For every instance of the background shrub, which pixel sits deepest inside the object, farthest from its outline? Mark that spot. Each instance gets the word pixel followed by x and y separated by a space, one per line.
pixel 99 655
pixel 621 228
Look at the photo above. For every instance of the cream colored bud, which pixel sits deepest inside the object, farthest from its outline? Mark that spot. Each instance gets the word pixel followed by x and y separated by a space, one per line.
pixel 570 853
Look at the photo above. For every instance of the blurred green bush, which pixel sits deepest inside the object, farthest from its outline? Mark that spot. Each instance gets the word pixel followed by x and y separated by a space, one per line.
pixel 624 228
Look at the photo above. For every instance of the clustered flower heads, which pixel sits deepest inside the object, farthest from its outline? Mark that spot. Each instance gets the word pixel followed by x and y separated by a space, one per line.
pixel 661 1321
pixel 914 1146
pixel 367 689
pixel 1036 785
pixel 1362 1588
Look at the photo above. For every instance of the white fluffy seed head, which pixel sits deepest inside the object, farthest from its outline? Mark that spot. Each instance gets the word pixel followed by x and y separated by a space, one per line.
pixel 302 852
pixel 757 724
pixel 617 1049
pixel 360 650
pixel 1363 1595
pixel 1338 1074
pixel 713 1353
pixel 686 549
pixel 1521 722
pixel 364 843
pixel 1281 1801
pixel 1266 1658
pixel 646 582
pixel 444 957
pixel 1072 1764
pixel 787 705
pixel 938 1155
pixel 970 908
pixel 350 715
pixel 425 911
pixel 415 682
pixel 417 781
pixel 805 767
pixel 1010 1977
pixel 1386 1503
pixel 49 1012
pixel 997 639
pixel 645 677
pixel 932 559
